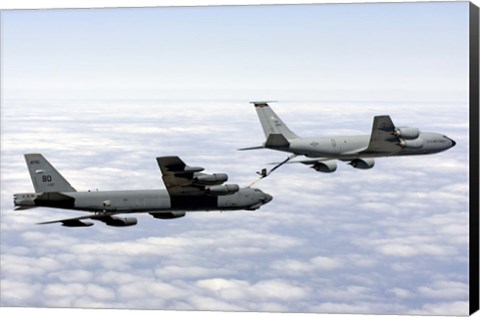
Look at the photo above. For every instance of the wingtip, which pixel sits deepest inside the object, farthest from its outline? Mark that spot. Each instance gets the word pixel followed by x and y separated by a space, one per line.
pixel 45 223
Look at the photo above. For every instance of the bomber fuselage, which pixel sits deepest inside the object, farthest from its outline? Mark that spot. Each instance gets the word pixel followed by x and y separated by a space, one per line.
pixel 131 201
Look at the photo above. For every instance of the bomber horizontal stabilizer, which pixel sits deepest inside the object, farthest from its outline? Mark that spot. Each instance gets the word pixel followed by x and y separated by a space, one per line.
pixel 25 207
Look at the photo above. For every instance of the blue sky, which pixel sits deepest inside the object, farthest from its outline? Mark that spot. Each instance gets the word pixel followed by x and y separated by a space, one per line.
pixel 101 93
pixel 342 52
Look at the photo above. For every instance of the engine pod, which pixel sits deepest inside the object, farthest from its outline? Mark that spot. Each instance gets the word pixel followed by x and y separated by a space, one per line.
pixel 411 144
pixel 328 166
pixel 167 215
pixel 220 190
pixel 213 179
pixel 407 133
pixel 363 163
pixel 119 222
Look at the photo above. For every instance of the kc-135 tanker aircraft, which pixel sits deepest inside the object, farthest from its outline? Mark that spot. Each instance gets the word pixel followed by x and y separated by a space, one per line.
pixel 359 150
pixel 187 190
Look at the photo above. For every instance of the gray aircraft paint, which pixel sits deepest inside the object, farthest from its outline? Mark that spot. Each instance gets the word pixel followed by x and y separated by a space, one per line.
pixel 45 177
pixel 183 194
pixel 385 140
pixel 350 147
pixel 129 201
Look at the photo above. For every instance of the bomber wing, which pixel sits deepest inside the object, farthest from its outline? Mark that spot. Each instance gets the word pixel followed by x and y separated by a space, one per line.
pixel 382 139
pixel 106 217
pixel 71 222
pixel 179 177
pixel 183 181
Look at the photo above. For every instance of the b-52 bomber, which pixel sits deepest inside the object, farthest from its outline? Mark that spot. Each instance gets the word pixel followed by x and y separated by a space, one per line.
pixel 187 189
pixel 358 150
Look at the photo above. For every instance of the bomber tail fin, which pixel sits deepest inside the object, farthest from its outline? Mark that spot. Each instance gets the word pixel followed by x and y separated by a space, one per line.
pixel 45 178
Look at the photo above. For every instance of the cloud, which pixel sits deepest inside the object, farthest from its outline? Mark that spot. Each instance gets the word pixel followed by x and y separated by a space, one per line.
pixel 402 293
pixel 444 290
pixel 386 240
pixel 404 250
pixel 442 308
pixel 73 276
pixel 17 293
pixel 77 290
pixel 296 267
pixel 244 291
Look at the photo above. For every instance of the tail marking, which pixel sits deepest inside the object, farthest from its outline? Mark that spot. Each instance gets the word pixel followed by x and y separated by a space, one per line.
pixel 45 178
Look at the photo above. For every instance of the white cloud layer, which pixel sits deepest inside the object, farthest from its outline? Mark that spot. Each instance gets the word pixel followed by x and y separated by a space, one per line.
pixel 388 240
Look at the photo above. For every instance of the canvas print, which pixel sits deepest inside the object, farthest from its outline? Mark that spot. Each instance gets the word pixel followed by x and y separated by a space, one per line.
pixel 282 158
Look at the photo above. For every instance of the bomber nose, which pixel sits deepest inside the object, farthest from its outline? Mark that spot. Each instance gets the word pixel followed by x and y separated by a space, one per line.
pixel 267 198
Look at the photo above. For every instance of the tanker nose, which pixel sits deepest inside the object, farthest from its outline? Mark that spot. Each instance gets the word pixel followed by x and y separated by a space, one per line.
pixel 451 141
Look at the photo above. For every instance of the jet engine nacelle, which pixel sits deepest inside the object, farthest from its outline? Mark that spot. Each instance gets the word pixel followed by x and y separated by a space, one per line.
pixel 189 170
pixel 120 222
pixel 168 215
pixel 214 179
pixel 363 163
pixel 407 133
pixel 411 144
pixel 220 190
pixel 325 166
